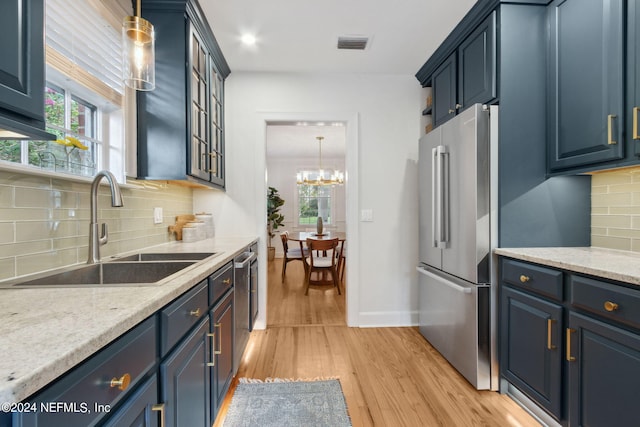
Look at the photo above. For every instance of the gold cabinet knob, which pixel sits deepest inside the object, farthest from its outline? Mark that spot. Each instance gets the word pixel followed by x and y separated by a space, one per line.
pixel 121 383
pixel 195 313
pixel 227 281
pixel 524 279
pixel 610 306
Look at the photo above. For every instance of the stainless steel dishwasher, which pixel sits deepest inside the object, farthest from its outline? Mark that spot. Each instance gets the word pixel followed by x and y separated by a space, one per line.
pixel 242 288
pixel 253 296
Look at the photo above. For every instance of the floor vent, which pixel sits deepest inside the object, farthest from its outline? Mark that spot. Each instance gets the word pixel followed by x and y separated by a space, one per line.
pixel 353 43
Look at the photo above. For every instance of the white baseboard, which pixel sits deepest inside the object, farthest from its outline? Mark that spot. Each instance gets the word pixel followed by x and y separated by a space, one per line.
pixel 387 319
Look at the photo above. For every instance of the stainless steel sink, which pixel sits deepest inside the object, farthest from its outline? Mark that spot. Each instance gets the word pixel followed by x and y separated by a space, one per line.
pixel 105 274
pixel 174 256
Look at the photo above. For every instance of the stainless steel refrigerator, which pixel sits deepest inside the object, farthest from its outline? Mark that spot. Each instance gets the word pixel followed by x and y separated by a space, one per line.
pixel 457 234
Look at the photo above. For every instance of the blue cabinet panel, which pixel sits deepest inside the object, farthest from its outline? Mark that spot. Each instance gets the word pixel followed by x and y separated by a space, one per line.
pixel 586 114
pixel 185 380
pixel 138 410
pixel 222 319
pixel 531 357
pixel 476 65
pixel 91 383
pixel 22 68
pixel 604 375
pixel 444 91
pixel 181 315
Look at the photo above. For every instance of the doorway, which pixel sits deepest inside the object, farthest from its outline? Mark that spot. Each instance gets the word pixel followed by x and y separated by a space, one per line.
pixel 295 153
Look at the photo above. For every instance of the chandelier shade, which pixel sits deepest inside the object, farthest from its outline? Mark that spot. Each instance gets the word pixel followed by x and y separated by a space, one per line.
pixel 320 176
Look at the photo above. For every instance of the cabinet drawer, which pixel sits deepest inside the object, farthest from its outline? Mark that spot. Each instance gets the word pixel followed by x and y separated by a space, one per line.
pixel 541 280
pixel 181 315
pixel 88 391
pixel 606 299
pixel 220 282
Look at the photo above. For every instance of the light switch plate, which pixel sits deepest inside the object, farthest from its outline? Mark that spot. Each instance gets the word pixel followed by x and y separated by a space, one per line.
pixel 366 215
pixel 157 215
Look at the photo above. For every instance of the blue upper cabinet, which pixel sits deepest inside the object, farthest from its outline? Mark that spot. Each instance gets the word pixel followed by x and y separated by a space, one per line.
pixel 22 70
pixel 587 119
pixel 444 91
pixel 468 75
pixel 477 65
pixel 181 122
pixel 633 78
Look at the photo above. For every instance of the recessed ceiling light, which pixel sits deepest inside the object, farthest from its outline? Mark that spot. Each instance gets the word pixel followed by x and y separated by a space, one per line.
pixel 248 39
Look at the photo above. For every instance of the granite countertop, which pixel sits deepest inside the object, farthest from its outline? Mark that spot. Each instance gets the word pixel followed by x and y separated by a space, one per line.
pixel 46 332
pixel 623 266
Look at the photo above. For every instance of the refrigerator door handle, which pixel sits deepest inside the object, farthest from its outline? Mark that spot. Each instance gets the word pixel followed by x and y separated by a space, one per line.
pixel 435 198
pixel 444 281
pixel 439 196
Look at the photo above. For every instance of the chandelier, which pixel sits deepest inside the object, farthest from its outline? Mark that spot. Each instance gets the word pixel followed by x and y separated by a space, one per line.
pixel 319 177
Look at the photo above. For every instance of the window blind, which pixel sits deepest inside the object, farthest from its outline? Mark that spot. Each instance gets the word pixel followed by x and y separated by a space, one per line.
pixel 83 45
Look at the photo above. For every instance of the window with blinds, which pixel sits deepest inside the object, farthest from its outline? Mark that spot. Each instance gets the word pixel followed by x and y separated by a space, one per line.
pixel 85 47
pixel 84 94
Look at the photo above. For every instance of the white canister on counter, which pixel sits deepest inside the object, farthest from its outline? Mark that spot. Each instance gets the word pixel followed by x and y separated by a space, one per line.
pixel 189 233
pixel 207 219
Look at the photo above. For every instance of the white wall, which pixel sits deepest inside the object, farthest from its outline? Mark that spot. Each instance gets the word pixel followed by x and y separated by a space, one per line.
pixel 381 166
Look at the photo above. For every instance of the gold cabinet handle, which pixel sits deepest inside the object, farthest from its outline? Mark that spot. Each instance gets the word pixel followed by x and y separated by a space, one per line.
pixel 159 407
pixel 451 111
pixel 550 323
pixel 227 281
pixel 458 106
pixel 219 326
pixel 524 279
pixel 636 110
pixel 121 383
pixel 610 139
pixel 195 313
pixel 570 358
pixel 610 306
pixel 213 349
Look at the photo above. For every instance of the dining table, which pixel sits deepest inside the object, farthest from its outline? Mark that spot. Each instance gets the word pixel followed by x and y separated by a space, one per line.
pixel 327 235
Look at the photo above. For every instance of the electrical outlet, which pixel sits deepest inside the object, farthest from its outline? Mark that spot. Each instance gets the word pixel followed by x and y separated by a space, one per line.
pixel 157 215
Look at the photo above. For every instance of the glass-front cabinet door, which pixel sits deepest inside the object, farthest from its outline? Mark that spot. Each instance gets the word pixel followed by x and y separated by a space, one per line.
pixel 216 155
pixel 200 131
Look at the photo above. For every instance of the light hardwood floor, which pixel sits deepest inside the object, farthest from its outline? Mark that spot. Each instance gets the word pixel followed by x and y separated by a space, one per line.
pixel 390 376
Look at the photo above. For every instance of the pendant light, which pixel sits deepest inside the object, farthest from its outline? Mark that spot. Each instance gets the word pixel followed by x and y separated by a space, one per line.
pixel 138 52
pixel 318 177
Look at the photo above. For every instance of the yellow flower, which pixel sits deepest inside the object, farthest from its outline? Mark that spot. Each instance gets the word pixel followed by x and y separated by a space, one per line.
pixel 70 141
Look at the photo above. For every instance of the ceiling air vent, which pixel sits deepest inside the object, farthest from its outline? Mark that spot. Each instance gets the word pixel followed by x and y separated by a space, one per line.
pixel 354 43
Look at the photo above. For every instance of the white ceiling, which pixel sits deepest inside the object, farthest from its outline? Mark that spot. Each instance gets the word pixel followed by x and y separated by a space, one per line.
pixel 301 36
pixel 286 140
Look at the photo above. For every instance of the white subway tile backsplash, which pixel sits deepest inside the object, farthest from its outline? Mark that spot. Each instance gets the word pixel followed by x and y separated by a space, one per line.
pixel 44 222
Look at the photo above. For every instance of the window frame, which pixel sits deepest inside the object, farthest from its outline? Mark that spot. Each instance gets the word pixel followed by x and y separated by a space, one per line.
pixel 332 209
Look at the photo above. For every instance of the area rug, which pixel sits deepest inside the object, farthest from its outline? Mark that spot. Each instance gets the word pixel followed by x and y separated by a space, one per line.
pixel 287 403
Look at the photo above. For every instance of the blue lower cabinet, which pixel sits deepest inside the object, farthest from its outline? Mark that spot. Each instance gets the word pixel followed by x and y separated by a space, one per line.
pixel 604 369
pixel 531 347
pixel 185 380
pixel 222 323
pixel 84 396
pixel 141 408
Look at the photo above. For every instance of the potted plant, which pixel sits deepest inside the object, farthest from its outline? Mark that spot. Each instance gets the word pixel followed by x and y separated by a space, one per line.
pixel 274 218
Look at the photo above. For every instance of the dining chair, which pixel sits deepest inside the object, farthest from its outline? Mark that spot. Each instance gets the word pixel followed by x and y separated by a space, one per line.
pixel 322 260
pixel 342 258
pixel 291 254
